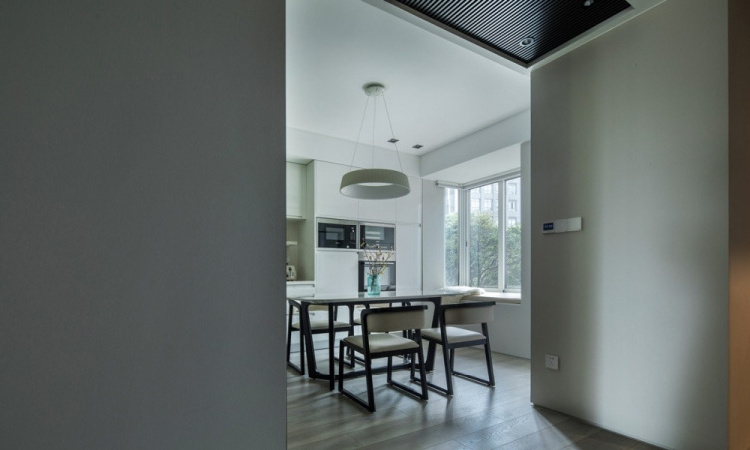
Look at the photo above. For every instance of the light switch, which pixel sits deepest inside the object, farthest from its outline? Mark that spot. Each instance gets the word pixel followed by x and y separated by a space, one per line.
pixel 562 225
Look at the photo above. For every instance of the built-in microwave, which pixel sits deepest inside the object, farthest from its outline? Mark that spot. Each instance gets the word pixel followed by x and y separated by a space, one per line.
pixel 373 235
pixel 334 233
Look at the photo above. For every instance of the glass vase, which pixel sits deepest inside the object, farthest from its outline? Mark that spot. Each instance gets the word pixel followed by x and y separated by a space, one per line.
pixel 373 284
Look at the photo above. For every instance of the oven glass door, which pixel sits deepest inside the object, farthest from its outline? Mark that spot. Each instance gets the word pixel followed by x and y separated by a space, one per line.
pixel 387 278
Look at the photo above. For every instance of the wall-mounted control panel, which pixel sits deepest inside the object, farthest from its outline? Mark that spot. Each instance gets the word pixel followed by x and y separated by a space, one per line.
pixel 562 225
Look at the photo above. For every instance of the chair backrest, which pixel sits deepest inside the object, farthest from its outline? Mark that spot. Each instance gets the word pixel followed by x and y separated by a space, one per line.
pixel 469 313
pixel 395 318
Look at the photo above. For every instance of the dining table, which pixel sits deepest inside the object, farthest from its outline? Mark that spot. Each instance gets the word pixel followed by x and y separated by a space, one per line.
pixel 333 301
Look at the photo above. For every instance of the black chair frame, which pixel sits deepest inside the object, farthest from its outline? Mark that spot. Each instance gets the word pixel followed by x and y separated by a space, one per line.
pixel 290 328
pixel 449 348
pixel 368 357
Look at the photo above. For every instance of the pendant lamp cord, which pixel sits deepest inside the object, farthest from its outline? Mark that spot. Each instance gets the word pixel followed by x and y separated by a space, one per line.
pixel 374 118
pixel 374 121
pixel 390 125
pixel 359 133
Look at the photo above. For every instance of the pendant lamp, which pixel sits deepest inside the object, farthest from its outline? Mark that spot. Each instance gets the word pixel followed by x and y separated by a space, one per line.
pixel 375 184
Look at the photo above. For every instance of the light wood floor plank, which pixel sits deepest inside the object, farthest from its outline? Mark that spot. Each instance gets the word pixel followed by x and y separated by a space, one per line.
pixel 476 417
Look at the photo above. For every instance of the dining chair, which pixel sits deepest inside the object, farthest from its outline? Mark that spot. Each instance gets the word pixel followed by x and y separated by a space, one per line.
pixel 317 326
pixel 376 341
pixel 452 337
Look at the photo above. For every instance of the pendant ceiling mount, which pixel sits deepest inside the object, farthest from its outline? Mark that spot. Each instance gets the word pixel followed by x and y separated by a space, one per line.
pixel 374 183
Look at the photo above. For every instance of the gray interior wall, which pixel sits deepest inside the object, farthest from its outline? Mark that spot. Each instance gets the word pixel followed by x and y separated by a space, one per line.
pixel 630 132
pixel 142 224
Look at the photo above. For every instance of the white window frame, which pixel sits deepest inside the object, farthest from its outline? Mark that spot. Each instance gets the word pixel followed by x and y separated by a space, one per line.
pixel 464 226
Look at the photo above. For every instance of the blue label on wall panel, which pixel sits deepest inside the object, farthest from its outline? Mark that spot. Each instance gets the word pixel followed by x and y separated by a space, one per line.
pixel 549 226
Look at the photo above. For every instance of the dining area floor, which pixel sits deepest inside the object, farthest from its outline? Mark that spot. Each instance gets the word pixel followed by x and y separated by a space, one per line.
pixel 476 417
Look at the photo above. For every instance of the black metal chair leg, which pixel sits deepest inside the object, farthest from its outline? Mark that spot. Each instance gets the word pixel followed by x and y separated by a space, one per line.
pixel 370 389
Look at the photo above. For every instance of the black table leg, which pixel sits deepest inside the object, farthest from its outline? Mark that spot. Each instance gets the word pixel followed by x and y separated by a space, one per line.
pixel 305 328
pixel 331 339
pixel 432 347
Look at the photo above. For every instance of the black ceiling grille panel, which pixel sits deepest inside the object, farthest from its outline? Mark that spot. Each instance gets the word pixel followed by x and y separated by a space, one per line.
pixel 501 26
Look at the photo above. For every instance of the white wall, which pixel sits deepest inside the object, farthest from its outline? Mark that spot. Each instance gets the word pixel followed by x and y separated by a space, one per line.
pixel 433 237
pixel 142 224
pixel 630 132
pixel 506 133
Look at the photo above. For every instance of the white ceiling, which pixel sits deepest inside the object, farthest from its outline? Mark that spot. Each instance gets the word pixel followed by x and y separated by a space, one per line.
pixel 437 91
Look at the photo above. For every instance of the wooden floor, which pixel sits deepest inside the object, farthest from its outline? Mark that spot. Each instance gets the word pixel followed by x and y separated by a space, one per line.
pixel 476 417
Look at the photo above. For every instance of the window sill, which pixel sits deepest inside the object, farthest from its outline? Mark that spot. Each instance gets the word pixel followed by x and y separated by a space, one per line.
pixel 497 297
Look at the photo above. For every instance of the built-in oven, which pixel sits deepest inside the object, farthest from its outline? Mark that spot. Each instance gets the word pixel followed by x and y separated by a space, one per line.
pixel 333 233
pixel 387 275
pixel 374 235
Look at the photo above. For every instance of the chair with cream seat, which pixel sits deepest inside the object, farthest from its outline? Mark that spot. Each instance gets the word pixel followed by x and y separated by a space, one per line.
pixel 317 326
pixel 452 337
pixel 355 317
pixel 376 341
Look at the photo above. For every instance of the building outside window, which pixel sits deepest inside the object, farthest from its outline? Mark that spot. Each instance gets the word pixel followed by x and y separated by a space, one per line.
pixel 490 256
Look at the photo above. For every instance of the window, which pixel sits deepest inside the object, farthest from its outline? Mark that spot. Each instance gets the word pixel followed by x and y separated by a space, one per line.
pixel 483 240
pixel 490 256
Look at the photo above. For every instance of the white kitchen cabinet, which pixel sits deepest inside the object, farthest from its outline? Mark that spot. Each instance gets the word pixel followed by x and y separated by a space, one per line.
pixel 300 288
pixel 295 193
pixel 409 207
pixel 329 201
pixel 408 257
pixel 336 271
pixel 377 210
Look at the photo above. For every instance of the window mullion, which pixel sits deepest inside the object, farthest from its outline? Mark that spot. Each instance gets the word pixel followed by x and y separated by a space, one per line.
pixel 463 236
pixel 501 226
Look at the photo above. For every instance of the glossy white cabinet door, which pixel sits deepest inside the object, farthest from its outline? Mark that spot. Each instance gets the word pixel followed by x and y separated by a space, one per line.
pixel 377 210
pixel 408 257
pixel 329 201
pixel 409 207
pixel 295 198
pixel 336 271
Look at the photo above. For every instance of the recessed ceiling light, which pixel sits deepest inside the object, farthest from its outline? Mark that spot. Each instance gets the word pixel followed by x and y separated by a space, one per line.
pixel 392 140
pixel 418 146
pixel 588 2
pixel 527 41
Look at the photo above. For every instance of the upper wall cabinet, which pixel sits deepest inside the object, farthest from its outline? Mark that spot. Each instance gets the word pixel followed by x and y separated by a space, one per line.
pixel 329 201
pixel 295 191
pixel 377 210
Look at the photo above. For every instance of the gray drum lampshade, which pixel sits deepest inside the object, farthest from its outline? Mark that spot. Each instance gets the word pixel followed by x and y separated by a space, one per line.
pixel 375 184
